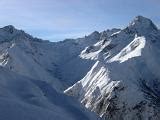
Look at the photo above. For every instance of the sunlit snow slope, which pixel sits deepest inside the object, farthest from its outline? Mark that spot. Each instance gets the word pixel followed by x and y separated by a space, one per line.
pixel 114 73
pixel 124 82
pixel 30 84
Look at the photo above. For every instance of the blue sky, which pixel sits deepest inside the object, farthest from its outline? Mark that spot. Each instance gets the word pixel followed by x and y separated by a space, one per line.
pixel 59 19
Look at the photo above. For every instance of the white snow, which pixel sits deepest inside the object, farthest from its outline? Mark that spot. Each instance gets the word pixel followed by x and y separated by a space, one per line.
pixel 132 50
pixel 114 73
pixel 125 75
pixel 30 85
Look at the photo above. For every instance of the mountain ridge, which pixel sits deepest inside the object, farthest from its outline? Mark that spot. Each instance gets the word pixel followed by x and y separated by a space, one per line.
pixel 102 70
pixel 127 65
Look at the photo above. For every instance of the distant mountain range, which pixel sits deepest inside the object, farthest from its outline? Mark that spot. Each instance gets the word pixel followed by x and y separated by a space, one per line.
pixel 115 74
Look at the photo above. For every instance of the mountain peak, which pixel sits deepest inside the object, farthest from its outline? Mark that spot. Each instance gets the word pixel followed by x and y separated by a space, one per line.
pixel 9 32
pixel 140 19
pixel 9 28
pixel 142 25
pixel 95 33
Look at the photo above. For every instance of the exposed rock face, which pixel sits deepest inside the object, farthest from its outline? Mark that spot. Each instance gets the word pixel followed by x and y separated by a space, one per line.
pixel 114 73
pixel 32 80
pixel 124 83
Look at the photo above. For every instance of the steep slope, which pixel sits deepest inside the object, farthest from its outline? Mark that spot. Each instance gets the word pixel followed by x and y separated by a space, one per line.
pixel 33 57
pixel 72 74
pixel 115 74
pixel 29 99
pixel 124 83
pixel 30 88
pixel 44 60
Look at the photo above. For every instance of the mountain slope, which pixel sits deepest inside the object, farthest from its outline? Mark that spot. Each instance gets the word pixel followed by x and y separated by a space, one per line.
pixel 114 73
pixel 30 87
pixel 123 84
pixel 29 99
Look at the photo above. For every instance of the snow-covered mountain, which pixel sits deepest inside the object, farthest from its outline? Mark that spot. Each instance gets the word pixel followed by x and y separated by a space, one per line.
pixel 31 87
pixel 124 82
pixel 114 73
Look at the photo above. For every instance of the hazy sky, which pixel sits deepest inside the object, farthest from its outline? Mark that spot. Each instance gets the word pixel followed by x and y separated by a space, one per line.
pixel 59 19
